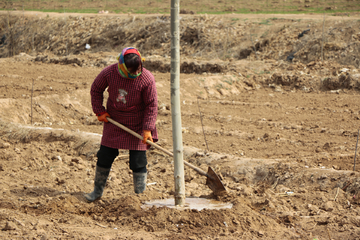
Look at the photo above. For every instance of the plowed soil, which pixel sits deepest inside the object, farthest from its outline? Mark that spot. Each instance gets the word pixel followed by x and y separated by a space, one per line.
pixel 281 134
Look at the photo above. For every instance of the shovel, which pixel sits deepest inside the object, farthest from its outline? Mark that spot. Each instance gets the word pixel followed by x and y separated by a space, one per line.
pixel 212 179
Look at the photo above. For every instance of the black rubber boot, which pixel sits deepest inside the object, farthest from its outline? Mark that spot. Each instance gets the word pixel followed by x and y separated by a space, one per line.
pixel 139 182
pixel 101 176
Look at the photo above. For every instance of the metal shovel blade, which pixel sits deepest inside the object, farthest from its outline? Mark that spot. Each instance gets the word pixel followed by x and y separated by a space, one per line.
pixel 214 183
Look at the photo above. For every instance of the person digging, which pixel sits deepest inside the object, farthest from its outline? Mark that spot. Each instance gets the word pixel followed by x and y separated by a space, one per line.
pixel 132 102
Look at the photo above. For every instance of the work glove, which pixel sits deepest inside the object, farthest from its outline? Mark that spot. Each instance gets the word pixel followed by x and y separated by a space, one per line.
pixel 147 136
pixel 102 117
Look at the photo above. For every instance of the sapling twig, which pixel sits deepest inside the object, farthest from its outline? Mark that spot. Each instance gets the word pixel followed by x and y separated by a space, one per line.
pixel 356 149
pixel 253 43
pixel 202 125
pixel 32 91
pixel 322 41
pixel 337 192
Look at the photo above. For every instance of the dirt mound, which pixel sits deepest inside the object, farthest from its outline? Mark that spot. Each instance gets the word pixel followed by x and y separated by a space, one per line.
pixel 274 201
pixel 311 77
pixel 206 37
pixel 153 63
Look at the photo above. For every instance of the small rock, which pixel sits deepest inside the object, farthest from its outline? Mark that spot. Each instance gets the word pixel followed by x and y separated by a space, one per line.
pixel 246 191
pixel 58 158
pixel 4 145
pixel 59 181
pixel 271 205
pixel 313 208
pixel 322 177
pixel 77 160
pixel 111 219
pixel 9 226
pixel 278 89
pixel 200 154
pixel 313 63
pixel 329 206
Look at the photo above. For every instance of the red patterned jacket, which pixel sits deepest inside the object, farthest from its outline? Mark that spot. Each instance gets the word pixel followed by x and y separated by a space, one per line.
pixel 131 102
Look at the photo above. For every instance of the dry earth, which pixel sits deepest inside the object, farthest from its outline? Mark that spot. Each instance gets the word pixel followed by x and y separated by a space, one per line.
pixel 281 134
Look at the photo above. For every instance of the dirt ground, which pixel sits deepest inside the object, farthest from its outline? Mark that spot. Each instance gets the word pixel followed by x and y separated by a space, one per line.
pixel 282 134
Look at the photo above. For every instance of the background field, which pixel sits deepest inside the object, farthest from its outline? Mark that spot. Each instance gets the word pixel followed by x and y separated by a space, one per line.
pixel 187 6
pixel 270 101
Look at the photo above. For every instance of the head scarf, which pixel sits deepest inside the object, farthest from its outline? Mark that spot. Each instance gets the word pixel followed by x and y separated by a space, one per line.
pixel 122 67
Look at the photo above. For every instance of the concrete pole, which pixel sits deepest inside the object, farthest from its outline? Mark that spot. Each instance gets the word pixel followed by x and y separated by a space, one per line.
pixel 175 106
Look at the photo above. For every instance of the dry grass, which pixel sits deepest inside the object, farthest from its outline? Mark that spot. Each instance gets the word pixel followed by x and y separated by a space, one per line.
pixel 187 6
pixel 202 37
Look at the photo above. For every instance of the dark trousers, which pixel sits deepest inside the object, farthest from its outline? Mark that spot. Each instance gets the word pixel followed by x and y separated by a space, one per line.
pixel 137 159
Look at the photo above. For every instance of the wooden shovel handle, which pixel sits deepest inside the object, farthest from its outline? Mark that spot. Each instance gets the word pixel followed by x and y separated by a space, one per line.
pixel 155 145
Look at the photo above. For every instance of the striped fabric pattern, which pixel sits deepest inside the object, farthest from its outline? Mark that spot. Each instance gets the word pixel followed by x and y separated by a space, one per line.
pixel 131 102
pixel 122 67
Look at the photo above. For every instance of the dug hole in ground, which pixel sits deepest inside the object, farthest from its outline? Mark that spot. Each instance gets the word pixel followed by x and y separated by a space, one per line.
pixel 280 131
